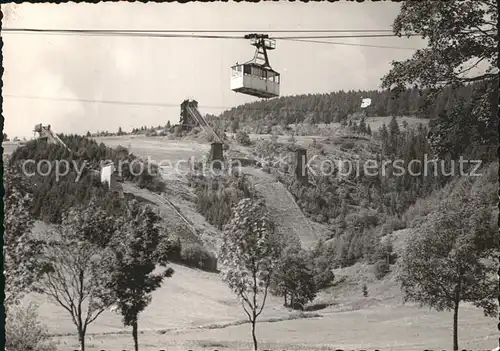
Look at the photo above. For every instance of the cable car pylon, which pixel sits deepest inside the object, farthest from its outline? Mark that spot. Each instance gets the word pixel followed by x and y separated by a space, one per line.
pixel 256 77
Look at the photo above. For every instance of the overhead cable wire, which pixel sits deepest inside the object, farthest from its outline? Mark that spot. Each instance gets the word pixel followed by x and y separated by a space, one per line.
pixel 110 102
pixel 344 36
pixel 37 30
pixel 143 35
pixel 154 104
pixel 298 39
pixel 177 35
pixel 351 44
pixel 113 102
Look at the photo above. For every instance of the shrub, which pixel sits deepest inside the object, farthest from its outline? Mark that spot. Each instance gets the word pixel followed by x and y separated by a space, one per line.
pixel 24 331
pixel 362 219
pixel 381 268
pixel 392 224
pixel 196 130
pixel 170 249
pixel 195 255
pixel 321 258
pixel 215 198
pixel 365 290
pixel 178 130
pixel 347 144
pixel 243 138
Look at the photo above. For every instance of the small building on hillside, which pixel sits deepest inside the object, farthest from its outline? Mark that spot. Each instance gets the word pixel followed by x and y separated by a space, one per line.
pixel 110 175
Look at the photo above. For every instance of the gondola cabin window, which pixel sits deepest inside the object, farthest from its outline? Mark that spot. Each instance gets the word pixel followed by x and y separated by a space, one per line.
pixel 255 80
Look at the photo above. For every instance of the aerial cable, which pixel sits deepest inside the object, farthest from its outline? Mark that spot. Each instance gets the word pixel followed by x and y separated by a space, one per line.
pixel 176 35
pixel 113 102
pixel 152 104
pixel 125 34
pixel 351 44
pixel 247 106
pixel 196 30
pixel 343 36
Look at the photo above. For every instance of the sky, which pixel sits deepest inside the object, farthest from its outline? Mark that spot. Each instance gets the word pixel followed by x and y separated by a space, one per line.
pixel 170 70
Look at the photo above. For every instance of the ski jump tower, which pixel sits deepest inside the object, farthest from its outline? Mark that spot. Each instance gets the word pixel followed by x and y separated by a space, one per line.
pixel 191 117
pixel 44 132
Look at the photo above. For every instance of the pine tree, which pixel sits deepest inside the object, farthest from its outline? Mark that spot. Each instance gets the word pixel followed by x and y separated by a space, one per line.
pixel 384 137
pixel 136 256
pixel 362 125
pixel 368 129
pixel 394 133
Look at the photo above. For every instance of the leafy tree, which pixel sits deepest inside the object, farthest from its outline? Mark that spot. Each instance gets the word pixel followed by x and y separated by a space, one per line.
pixel 460 34
pixel 381 269
pixel 77 276
pixel 462 37
pixel 93 223
pixel 22 252
pixel 5 138
pixel 136 256
pixel 168 125
pixel 322 260
pixel 468 122
pixel 243 138
pixel 235 125
pixel 249 255
pixel 450 257
pixel 294 278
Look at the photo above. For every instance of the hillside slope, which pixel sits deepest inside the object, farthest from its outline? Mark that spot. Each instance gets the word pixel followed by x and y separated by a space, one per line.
pixel 286 214
pixel 190 299
pixel 336 106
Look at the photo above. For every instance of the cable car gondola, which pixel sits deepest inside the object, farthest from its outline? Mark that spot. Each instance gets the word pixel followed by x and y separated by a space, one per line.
pixel 256 77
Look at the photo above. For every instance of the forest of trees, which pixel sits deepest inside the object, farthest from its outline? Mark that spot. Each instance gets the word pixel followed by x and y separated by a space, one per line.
pixel 340 106
pixel 51 196
pixel 374 205
pixel 358 214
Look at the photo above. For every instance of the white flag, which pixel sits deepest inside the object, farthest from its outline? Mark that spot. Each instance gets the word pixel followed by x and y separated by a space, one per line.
pixel 366 102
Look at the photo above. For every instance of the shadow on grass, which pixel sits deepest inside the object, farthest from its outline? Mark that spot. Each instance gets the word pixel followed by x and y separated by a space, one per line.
pixel 297 315
pixel 318 306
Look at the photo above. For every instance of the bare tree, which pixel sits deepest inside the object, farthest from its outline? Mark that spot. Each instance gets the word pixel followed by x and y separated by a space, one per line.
pixel 249 254
pixel 76 279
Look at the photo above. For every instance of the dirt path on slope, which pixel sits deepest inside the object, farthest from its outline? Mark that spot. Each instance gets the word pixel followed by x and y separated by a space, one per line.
pixel 284 210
